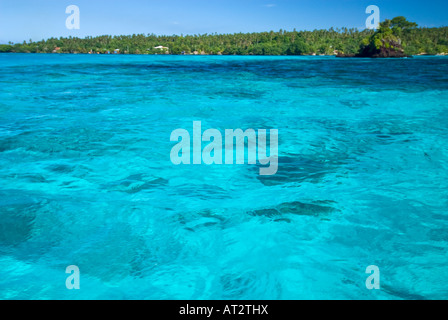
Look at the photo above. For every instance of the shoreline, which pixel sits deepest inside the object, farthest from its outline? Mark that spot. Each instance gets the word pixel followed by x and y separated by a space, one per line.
pixel 226 55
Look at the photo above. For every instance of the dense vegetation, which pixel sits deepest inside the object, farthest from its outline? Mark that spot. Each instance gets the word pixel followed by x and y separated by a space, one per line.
pixel 349 41
pixel 386 41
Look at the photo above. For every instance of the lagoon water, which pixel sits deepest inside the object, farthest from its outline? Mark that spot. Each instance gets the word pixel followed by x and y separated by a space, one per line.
pixel 86 178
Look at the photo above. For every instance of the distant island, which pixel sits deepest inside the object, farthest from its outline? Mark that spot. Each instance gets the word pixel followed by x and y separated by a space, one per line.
pixel 386 42
pixel 397 37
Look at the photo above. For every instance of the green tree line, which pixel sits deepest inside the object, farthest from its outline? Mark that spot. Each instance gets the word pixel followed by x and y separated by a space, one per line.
pixel 415 40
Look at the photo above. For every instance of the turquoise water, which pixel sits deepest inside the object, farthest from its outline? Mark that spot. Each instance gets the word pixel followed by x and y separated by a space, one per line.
pixel 86 178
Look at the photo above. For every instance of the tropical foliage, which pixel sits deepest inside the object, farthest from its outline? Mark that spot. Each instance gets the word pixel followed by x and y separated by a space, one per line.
pixel 414 40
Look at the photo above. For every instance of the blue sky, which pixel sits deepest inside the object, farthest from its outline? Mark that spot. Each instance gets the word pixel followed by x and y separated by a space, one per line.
pixel 37 19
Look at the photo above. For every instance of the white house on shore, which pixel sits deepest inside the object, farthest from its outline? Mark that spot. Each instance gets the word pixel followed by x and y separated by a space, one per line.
pixel 161 48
